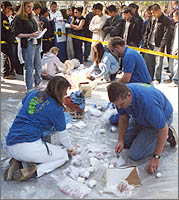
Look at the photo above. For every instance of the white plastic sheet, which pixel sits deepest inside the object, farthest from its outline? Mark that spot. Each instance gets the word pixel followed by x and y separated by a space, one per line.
pixel 45 187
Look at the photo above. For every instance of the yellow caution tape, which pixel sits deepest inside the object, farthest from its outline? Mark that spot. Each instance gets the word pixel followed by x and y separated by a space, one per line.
pixel 157 53
pixel 47 39
pixel 3 42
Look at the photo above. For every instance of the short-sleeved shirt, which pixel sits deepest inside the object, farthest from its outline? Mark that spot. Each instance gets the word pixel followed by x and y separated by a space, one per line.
pixel 35 117
pixel 134 63
pixel 150 107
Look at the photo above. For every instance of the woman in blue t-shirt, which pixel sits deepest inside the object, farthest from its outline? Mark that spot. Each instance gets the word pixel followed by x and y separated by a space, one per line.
pixel 41 111
pixel 105 65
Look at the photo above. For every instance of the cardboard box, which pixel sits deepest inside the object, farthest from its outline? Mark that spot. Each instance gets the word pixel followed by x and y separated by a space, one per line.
pixel 87 87
pixel 128 173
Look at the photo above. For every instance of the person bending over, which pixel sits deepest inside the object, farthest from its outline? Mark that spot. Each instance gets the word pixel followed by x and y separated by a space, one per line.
pixel 41 111
pixel 105 65
pixel 146 133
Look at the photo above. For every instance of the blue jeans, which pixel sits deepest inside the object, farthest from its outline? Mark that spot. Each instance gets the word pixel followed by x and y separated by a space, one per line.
pixel 173 69
pixel 154 64
pixel 32 59
pixel 141 141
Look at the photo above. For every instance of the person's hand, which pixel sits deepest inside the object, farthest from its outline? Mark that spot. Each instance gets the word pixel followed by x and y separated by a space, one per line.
pixel 40 23
pixel 35 34
pixel 72 151
pixel 119 147
pixel 153 165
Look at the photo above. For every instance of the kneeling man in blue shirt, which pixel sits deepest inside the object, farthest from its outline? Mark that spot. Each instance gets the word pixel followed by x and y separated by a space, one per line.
pixel 151 115
pixel 133 64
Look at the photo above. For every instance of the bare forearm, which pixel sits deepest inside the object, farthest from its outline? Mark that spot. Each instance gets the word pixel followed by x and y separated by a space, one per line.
pixel 75 27
pixel 125 78
pixel 23 35
pixel 162 136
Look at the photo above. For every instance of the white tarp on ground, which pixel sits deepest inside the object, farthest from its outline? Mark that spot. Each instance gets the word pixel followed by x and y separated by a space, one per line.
pixel 46 187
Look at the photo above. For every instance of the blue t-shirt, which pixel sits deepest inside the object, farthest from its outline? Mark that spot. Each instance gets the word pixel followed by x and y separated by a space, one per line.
pixel 150 107
pixel 35 117
pixel 134 63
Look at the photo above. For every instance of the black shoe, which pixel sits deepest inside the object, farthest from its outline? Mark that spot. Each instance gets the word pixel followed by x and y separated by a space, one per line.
pixel 113 77
pixel 168 71
pixel 91 78
pixel 172 137
pixel 10 77
pixel 166 68
pixel 119 72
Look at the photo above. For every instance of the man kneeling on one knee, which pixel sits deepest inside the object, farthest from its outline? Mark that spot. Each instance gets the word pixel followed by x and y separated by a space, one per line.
pixel 145 117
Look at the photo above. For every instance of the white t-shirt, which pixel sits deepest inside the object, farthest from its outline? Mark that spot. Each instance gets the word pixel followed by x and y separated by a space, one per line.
pixel 56 15
pixel 152 37
pixel 126 30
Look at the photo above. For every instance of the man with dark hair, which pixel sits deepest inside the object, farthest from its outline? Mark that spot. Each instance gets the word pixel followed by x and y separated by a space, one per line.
pixel 147 20
pixel 97 24
pixel 174 7
pixel 150 125
pixel 7 42
pixel 157 34
pixel 88 33
pixel 36 10
pixel 127 29
pixel 134 67
pixel 54 13
pixel 134 9
pixel 48 37
pixel 112 21
pixel 173 63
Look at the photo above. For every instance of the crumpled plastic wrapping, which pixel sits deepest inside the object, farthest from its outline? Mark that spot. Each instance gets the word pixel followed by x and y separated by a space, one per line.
pixel 71 187
pixel 93 144
pixel 122 189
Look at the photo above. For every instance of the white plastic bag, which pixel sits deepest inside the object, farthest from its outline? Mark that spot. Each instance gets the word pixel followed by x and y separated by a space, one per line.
pixel 121 189
pixel 108 113
pixel 70 187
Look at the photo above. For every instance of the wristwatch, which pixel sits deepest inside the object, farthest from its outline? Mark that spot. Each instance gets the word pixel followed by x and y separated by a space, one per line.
pixel 156 156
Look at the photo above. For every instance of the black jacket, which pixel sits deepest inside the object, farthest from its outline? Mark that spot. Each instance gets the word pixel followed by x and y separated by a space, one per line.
pixel 6 33
pixel 111 24
pixel 49 25
pixel 162 34
pixel 140 25
pixel 133 32
pixel 7 38
pixel 88 18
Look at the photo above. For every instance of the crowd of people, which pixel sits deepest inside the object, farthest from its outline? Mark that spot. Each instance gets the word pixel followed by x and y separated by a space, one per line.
pixel 155 31
pixel 144 114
